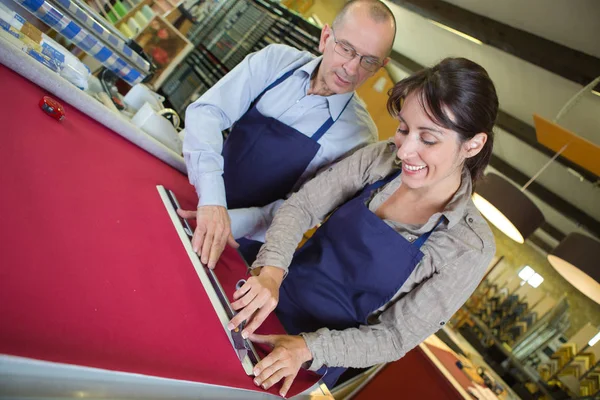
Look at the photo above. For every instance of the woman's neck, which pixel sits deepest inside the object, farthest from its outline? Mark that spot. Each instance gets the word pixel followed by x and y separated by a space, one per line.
pixel 416 206
pixel 434 197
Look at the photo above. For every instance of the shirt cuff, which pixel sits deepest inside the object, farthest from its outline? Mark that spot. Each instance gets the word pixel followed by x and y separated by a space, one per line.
pixel 246 221
pixel 315 347
pixel 270 258
pixel 267 213
pixel 211 190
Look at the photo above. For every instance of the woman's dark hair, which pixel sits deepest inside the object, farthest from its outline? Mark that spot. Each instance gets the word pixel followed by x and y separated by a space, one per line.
pixel 459 88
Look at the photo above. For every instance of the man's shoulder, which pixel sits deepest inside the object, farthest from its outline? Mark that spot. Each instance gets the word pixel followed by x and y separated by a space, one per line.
pixel 277 59
pixel 284 54
pixel 359 116
pixel 359 107
pixel 280 48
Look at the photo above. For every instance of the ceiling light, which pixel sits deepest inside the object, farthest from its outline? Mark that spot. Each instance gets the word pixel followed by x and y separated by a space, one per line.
pixel 577 259
pixel 594 340
pixel 459 33
pixel 526 273
pixel 536 280
pixel 596 93
pixel 507 208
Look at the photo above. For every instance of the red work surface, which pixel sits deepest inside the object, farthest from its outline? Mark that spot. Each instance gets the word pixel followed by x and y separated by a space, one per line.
pixel 449 361
pixel 92 271
pixel 414 376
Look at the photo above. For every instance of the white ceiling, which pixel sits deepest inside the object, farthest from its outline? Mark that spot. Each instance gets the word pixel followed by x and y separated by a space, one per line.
pixel 572 23
pixel 523 88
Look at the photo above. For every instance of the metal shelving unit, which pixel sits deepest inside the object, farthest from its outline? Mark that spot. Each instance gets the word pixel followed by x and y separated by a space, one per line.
pixel 225 37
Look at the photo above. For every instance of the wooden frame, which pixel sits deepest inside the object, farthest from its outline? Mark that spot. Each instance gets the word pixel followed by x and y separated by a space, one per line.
pixel 165 45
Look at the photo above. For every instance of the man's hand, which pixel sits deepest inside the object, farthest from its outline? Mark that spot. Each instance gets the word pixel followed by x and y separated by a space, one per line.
pixel 257 298
pixel 284 362
pixel 213 232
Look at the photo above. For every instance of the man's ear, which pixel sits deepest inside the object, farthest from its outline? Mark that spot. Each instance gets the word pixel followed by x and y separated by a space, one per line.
pixel 473 146
pixel 325 34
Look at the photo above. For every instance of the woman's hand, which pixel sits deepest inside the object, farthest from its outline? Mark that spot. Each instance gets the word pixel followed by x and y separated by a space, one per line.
pixel 259 297
pixel 284 362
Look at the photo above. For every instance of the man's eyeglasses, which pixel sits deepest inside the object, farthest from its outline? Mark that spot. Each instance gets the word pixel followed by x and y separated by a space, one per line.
pixel 369 63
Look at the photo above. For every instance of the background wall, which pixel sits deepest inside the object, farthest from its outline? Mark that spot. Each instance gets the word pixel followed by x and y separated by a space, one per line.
pixel 326 10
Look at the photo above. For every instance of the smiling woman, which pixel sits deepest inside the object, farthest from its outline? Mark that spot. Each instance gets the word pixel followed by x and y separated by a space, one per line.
pixel 405 247
pixel 456 98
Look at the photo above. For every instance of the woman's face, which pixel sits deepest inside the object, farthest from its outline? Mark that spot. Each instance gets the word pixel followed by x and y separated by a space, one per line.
pixel 430 154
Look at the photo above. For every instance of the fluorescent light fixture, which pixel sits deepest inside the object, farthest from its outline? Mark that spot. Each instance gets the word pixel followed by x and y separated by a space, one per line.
pixel 526 272
pixel 459 33
pixel 596 93
pixel 536 280
pixel 594 340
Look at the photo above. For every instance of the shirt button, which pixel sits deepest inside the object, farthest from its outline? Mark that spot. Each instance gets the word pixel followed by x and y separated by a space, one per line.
pixel 470 220
pixel 442 323
pixel 411 239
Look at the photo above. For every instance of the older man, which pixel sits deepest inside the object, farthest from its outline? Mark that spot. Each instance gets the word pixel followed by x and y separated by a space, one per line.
pixel 292 113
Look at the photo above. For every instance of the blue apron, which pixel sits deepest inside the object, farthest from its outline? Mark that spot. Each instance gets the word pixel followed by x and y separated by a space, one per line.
pixel 353 265
pixel 263 160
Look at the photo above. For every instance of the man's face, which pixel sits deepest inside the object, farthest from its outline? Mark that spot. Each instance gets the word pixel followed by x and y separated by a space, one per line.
pixel 364 36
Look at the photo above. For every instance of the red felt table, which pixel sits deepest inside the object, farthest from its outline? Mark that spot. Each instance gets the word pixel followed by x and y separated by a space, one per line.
pixel 414 376
pixel 92 271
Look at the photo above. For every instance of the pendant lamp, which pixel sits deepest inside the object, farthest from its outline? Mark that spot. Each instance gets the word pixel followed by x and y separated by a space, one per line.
pixel 577 259
pixel 507 207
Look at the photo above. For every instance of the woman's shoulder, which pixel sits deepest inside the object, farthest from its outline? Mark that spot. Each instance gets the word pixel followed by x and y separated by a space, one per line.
pixel 480 228
pixel 379 148
pixel 474 232
pixel 465 221
pixel 468 243
pixel 378 157
pixel 379 161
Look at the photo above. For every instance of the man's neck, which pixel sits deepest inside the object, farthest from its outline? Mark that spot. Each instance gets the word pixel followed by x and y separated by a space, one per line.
pixel 318 85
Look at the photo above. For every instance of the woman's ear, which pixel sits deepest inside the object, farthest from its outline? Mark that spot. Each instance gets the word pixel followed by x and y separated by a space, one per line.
pixel 473 146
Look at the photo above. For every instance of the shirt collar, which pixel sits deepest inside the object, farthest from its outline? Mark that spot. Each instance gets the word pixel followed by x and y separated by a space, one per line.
pixel 457 206
pixel 455 210
pixel 337 102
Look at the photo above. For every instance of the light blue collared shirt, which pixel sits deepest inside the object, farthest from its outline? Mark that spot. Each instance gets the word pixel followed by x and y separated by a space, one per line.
pixel 228 100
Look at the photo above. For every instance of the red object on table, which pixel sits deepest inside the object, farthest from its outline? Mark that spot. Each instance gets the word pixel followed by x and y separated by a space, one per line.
pixel 52 107
pixel 414 376
pixel 92 271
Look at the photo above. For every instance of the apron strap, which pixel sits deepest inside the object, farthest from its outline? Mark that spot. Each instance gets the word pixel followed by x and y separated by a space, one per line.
pixel 385 180
pixel 272 85
pixel 325 127
pixel 423 238
pixel 278 81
